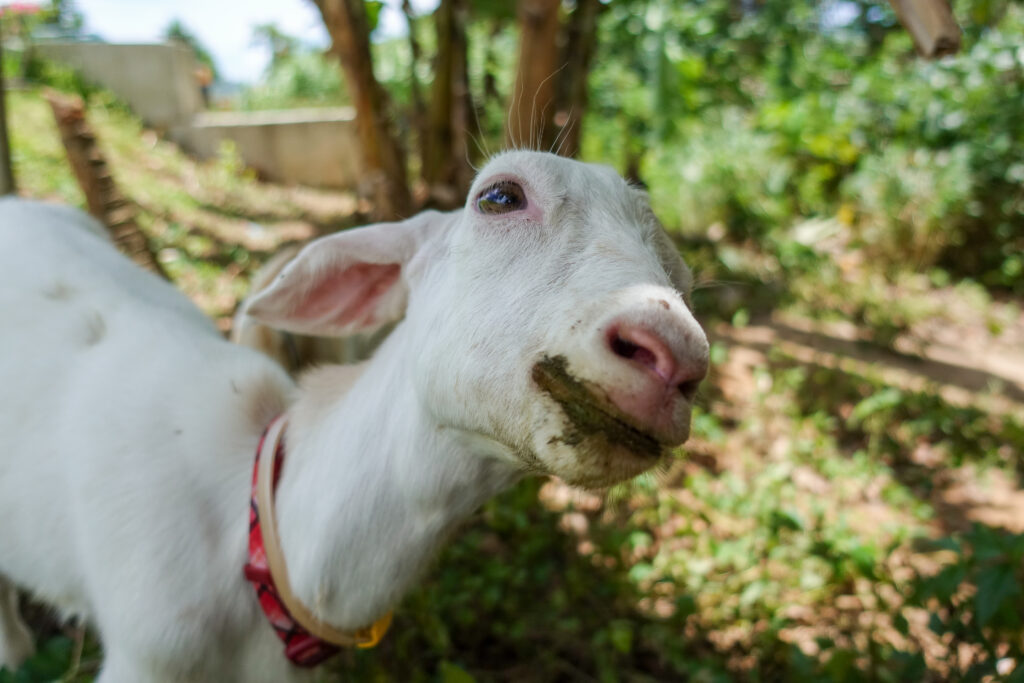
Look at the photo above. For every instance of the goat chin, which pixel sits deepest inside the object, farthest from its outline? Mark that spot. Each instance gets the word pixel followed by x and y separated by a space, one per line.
pixel 128 425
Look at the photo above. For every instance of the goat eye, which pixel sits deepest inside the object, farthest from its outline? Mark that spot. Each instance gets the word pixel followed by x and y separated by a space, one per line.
pixel 503 197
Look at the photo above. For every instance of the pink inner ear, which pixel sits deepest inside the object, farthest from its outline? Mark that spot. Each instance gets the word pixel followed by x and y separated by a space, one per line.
pixel 349 296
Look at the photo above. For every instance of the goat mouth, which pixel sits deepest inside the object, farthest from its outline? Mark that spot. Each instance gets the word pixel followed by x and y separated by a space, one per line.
pixel 589 414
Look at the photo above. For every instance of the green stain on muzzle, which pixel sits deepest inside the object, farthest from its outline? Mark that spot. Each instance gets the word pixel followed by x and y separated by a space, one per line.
pixel 588 414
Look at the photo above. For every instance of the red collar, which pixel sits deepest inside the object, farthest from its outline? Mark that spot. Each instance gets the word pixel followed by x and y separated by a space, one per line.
pixel 291 620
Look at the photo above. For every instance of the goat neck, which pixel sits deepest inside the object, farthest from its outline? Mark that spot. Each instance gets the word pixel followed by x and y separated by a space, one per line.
pixel 361 510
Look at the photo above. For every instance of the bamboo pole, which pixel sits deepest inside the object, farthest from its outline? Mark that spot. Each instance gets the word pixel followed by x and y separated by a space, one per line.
pixel 7 185
pixel 931 24
pixel 102 197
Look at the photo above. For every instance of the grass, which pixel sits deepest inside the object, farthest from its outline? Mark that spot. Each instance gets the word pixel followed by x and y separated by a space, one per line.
pixel 830 520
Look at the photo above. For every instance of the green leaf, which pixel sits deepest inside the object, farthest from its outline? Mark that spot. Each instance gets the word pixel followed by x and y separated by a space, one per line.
pixel 373 8
pixel 995 585
pixel 640 539
pixel 48 664
pixel 719 353
pixel 787 518
pixel 865 558
pixel 901 624
pixel 453 673
pixel 620 632
pixel 841 664
pixel 685 606
pixel 752 593
pixel 946 583
pixel 640 571
pixel 882 400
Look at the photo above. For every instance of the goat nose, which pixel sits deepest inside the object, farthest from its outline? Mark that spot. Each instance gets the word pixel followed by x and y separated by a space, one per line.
pixel 646 348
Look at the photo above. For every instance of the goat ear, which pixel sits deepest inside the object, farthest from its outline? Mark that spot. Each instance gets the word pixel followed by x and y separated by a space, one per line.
pixel 345 283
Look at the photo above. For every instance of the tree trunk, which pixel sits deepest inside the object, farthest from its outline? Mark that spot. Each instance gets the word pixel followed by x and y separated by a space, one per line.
pixel 532 107
pixel 385 173
pixel 464 117
pixel 437 147
pixel 491 64
pixel 6 171
pixel 447 167
pixel 419 108
pixel 578 53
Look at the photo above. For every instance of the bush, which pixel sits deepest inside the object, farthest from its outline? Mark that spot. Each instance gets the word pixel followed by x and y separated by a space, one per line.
pixel 304 79
pixel 928 157
pixel 727 174
pixel 911 203
pixel 59 77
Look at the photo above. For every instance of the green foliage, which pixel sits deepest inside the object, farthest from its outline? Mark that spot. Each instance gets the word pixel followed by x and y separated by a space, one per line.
pixel 55 17
pixel 751 117
pixel 975 600
pixel 59 77
pixel 298 79
pixel 177 32
pixel 373 8
pixel 277 42
pixel 906 199
pixel 66 15
pixel 57 659
pixel 730 175
pixel 47 665
pixel 888 423
pixel 37 153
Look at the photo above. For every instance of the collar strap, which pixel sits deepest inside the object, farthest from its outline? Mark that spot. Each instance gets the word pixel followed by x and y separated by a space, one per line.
pixel 308 640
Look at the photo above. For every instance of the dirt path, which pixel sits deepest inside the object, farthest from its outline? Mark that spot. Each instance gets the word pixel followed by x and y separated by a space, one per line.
pixel 964 367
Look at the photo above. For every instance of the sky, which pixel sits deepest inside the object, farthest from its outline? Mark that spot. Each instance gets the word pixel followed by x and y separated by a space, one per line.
pixel 224 27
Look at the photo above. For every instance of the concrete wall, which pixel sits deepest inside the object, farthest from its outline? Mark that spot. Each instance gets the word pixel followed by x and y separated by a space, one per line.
pixel 307 146
pixel 157 81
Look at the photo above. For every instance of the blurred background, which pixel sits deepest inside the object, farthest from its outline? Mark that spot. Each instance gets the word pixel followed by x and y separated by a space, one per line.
pixel 849 193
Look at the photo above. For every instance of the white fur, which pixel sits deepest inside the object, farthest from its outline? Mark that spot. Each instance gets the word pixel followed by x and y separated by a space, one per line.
pixel 128 425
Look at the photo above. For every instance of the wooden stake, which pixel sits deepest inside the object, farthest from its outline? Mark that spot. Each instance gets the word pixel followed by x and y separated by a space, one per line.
pixel 102 197
pixel 931 24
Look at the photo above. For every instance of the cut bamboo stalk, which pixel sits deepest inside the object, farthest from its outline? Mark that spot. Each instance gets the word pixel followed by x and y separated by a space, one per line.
pixel 104 201
pixel 931 24
pixel 6 170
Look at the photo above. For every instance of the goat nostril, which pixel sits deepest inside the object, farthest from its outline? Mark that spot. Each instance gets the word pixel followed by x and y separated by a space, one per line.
pixel 623 348
pixel 644 349
pixel 635 352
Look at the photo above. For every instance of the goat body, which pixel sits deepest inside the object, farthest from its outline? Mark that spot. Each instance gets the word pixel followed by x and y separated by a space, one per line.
pixel 544 329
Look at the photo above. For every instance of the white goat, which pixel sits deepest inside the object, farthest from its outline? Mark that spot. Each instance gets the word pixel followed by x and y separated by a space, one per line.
pixel 546 331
